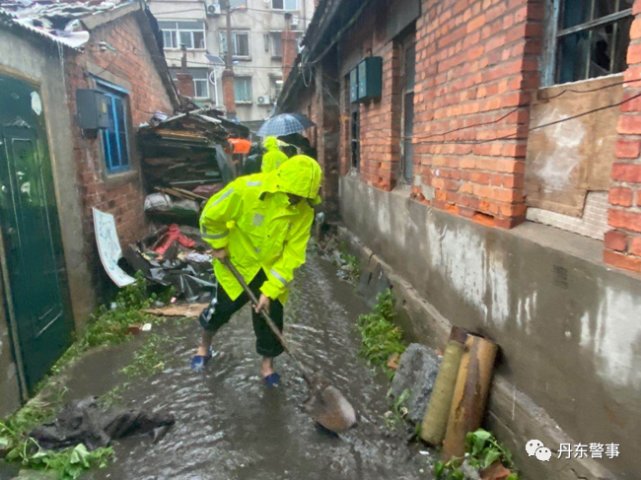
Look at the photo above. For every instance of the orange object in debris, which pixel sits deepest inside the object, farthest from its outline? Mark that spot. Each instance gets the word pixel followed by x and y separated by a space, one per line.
pixel 172 235
pixel 240 145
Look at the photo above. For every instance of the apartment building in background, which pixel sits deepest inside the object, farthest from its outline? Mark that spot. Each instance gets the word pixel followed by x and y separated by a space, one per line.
pixel 260 49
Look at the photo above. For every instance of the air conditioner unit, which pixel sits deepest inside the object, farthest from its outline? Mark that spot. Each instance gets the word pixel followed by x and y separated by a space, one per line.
pixel 213 9
pixel 263 100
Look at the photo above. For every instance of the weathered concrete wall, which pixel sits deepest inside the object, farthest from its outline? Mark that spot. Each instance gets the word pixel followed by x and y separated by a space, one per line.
pixel 41 64
pixel 567 326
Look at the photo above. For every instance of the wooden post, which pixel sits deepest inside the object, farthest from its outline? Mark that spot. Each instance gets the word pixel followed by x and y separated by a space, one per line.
pixel 438 408
pixel 470 394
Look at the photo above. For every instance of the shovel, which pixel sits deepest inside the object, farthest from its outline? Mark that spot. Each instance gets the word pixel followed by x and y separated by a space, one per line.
pixel 326 404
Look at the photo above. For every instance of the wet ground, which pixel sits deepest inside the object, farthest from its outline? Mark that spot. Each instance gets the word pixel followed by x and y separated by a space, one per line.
pixel 230 427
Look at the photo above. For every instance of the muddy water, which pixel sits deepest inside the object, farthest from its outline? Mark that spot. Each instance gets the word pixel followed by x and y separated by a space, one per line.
pixel 230 427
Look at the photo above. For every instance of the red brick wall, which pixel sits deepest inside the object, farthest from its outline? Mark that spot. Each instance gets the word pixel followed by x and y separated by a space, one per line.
pixel 229 95
pixel 185 85
pixel 380 126
pixel 623 241
pixel 122 194
pixel 290 50
pixel 476 63
pixel 379 118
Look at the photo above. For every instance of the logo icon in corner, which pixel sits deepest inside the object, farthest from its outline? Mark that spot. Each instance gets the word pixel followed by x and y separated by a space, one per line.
pixel 544 454
pixel 532 446
pixel 536 448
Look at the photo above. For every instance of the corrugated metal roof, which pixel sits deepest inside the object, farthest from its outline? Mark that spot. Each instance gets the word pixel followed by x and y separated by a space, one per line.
pixel 8 19
pixel 56 20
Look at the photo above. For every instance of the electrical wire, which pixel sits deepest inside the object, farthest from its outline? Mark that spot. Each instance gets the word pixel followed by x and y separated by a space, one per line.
pixel 422 141
pixel 516 109
pixel 234 10
pixel 207 64
pixel 339 34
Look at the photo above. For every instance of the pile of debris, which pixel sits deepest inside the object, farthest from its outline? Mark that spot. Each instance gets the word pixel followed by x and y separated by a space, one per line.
pixel 175 256
pixel 186 159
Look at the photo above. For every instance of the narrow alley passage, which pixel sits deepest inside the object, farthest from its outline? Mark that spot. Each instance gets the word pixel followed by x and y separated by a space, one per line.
pixel 229 427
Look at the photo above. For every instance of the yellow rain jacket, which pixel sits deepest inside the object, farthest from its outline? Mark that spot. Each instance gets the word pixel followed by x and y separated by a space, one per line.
pixel 253 218
pixel 273 157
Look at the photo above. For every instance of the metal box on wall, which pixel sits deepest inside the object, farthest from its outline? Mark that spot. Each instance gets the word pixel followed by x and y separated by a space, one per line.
pixel 92 107
pixel 370 76
pixel 353 85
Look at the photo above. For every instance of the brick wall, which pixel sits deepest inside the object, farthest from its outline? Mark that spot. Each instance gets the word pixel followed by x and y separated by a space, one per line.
pixel 380 126
pixel 476 63
pixel 131 67
pixel 623 241
pixel 476 74
pixel 379 118
pixel 289 45
pixel 185 85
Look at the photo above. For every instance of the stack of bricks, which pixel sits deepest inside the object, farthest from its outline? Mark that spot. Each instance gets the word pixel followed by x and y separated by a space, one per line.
pixel 476 66
pixel 623 241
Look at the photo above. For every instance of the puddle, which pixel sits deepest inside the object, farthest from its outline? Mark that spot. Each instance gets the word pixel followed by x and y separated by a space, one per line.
pixel 229 427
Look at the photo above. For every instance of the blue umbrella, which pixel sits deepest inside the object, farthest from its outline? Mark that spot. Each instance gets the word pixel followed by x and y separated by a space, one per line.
pixel 284 124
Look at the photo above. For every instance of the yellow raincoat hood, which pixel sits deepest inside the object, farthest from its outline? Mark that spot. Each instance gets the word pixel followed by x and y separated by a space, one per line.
pixel 300 175
pixel 270 143
pixel 273 157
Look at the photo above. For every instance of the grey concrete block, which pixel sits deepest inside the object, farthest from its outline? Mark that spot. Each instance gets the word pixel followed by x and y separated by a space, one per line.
pixel 416 372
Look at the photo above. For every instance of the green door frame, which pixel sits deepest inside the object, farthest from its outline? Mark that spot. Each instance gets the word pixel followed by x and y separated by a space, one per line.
pixel 7 301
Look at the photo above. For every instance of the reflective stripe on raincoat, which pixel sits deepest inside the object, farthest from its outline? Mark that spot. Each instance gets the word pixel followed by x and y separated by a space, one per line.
pixel 273 157
pixel 253 218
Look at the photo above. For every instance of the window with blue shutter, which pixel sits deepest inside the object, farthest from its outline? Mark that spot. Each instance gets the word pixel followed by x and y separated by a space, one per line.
pixel 115 142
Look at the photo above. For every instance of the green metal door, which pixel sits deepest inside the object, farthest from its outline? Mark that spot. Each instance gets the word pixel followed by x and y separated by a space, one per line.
pixel 36 292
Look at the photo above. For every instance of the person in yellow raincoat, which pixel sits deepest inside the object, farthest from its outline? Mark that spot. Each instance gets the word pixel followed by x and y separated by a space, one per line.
pixel 273 156
pixel 262 223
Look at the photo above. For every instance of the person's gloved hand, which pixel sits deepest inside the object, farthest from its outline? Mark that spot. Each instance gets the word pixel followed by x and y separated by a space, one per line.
pixel 263 304
pixel 220 253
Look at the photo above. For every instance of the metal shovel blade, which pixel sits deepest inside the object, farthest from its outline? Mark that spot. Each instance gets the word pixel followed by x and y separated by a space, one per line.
pixel 327 406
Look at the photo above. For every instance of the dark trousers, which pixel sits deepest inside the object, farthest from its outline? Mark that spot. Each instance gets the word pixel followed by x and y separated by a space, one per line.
pixel 222 308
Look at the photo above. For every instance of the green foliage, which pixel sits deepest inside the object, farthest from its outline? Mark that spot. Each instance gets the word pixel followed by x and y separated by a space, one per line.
pixel 380 336
pixel 109 326
pixel 396 415
pixel 482 450
pixel 352 266
pixel 148 360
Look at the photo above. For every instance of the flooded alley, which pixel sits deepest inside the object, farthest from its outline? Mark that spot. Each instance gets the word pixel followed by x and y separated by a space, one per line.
pixel 230 427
